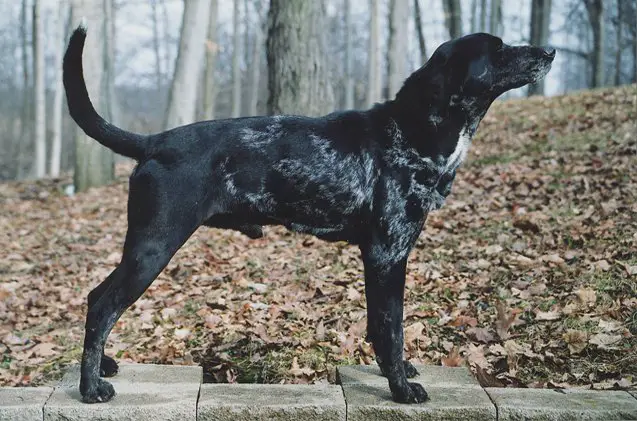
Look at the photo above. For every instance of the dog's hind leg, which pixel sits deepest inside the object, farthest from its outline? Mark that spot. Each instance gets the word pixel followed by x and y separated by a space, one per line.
pixel 146 252
pixel 108 366
pixel 157 228
pixel 384 291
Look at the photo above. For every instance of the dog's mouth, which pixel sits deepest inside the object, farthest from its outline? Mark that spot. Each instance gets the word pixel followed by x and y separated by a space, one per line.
pixel 544 63
pixel 525 65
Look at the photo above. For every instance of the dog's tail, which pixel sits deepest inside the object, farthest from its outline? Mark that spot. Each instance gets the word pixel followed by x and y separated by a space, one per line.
pixel 82 111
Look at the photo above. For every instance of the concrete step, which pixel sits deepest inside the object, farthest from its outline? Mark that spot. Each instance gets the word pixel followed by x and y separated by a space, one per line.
pixel 23 403
pixel 143 392
pixel 563 405
pixel 160 392
pixel 276 402
pixel 454 394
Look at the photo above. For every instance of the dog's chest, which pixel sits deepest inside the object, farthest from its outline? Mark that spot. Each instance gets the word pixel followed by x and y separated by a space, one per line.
pixel 429 179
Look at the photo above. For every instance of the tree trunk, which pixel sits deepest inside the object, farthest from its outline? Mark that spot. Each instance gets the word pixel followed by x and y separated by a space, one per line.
pixel 397 46
pixel 483 16
pixel 182 99
pixel 595 10
pixel 349 58
pixel 156 46
pixel 58 96
pixel 255 69
pixel 39 100
pixel 298 72
pixel 421 35
pixel 635 46
pixel 168 59
pixel 25 124
pixel 109 102
pixel 540 18
pixel 618 44
pixel 212 47
pixel 236 69
pixel 373 69
pixel 495 18
pixel 94 164
pixel 453 17
pixel 474 16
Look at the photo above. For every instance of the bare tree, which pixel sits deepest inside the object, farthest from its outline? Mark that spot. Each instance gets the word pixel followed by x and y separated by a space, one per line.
pixel 26 99
pixel 94 164
pixel 483 16
pixel 618 43
pixel 349 58
pixel 209 83
pixel 495 18
pixel 421 35
pixel 634 30
pixel 109 109
pixel 595 9
pixel 156 45
pixel 255 69
pixel 298 78
pixel 39 92
pixel 58 95
pixel 453 17
pixel 540 18
pixel 236 69
pixel 397 46
pixel 474 16
pixel 373 69
pixel 182 98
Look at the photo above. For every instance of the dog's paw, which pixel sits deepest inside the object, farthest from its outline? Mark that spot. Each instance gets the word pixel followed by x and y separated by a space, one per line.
pixel 413 393
pixel 108 367
pixel 252 231
pixel 99 391
pixel 410 370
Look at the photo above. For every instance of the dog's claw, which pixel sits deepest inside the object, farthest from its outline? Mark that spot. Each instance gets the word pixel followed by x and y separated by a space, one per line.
pixel 102 391
pixel 108 367
pixel 410 370
pixel 413 393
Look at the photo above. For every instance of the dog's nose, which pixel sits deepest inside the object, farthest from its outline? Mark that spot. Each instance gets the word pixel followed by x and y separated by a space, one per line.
pixel 549 51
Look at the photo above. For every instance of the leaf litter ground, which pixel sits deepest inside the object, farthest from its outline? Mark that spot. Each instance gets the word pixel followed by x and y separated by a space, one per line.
pixel 528 275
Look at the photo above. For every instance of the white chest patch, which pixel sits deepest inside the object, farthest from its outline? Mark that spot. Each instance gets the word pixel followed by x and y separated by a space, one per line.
pixel 460 153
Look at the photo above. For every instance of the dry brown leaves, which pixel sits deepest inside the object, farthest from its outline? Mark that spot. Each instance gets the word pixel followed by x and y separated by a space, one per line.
pixel 527 275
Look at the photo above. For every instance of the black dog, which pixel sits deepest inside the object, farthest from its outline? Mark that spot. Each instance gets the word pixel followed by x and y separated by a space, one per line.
pixel 366 177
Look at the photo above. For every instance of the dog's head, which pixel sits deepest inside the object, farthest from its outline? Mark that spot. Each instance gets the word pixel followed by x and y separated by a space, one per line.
pixel 478 67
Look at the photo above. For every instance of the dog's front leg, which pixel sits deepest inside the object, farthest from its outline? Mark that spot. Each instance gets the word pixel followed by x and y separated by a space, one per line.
pixel 384 291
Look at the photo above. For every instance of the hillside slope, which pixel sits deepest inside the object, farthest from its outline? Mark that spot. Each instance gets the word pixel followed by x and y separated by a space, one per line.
pixel 528 274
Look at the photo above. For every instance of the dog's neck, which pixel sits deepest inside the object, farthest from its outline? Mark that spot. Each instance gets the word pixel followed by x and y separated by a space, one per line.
pixel 440 131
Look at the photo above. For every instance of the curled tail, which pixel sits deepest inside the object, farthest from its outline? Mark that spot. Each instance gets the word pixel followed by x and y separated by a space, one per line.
pixel 82 111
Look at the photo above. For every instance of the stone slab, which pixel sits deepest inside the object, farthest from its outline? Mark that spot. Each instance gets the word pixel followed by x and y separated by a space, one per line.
pixel 143 392
pixel 634 393
pixel 562 405
pixel 373 402
pixel 23 403
pixel 430 375
pixel 276 402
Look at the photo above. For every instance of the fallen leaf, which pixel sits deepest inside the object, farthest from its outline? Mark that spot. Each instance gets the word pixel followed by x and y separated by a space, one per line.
pixel 453 359
pixel 576 340
pixel 353 294
pixel 547 315
pixel 609 326
pixel 605 341
pixel 44 349
pixel 586 296
pixel 480 334
pixel 182 333
pixel 503 321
